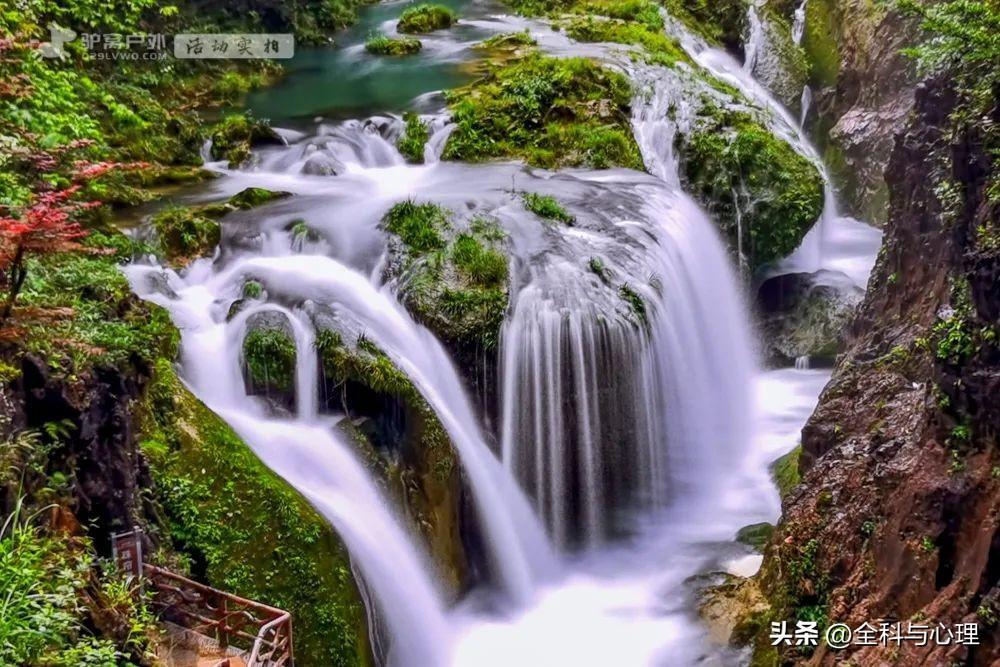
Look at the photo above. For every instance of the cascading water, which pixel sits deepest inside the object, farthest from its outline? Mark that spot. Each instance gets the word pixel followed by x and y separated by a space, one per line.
pixel 626 381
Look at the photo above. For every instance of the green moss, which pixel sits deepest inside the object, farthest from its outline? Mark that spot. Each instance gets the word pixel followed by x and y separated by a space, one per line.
pixel 383 45
pixel 185 234
pixel 550 112
pixel 597 267
pixel 426 18
pixel 252 289
pixel 269 359
pixel 786 471
pixel 86 313
pixel 660 48
pixel 819 40
pixel 253 197
pixel 547 207
pixel 457 287
pixel 221 500
pixel 743 173
pixel 234 136
pixel 415 136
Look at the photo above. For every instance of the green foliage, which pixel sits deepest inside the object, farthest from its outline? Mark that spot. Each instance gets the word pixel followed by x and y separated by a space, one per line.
pixel 550 112
pixel 269 359
pixel 635 302
pixel 477 264
pixel 547 207
pixel 220 499
pixel 93 317
pixel 234 136
pixel 415 136
pixel 661 49
pixel 45 580
pixel 457 287
pixel 184 233
pixel 425 18
pixel 252 290
pixel 598 268
pixel 419 226
pixel 785 471
pixel 741 171
pixel 383 45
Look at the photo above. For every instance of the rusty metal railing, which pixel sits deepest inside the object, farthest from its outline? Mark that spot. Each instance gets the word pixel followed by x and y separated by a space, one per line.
pixel 263 631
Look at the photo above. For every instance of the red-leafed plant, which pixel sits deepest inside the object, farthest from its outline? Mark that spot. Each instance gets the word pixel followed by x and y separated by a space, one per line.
pixel 46 227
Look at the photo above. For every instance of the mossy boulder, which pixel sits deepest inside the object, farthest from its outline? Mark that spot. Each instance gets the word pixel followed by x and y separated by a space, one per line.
pixel 454 282
pixel 383 45
pixel 785 471
pixel 752 182
pixel 426 18
pixel 253 197
pixel 406 444
pixel 755 535
pixel 244 529
pixel 269 357
pixel 185 233
pixel 780 65
pixel 234 136
pixel 549 112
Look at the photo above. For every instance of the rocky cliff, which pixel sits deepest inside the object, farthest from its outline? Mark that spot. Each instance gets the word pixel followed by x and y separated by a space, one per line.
pixel 897 514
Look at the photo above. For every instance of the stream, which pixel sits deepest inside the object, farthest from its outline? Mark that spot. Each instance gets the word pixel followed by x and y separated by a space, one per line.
pixel 607 574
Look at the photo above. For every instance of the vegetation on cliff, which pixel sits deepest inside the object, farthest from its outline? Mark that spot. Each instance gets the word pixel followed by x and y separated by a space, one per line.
pixel 550 112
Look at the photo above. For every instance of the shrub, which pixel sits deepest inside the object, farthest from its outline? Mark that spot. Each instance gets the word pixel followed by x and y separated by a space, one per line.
pixel 383 45
pixel 425 18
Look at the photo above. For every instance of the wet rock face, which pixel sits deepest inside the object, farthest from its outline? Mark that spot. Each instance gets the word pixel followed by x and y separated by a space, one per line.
pixel 897 513
pixel 97 451
pixel 863 94
pixel 803 315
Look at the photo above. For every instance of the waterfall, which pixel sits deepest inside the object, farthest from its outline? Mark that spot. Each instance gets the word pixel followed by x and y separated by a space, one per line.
pixel 806 103
pixel 799 22
pixel 754 41
pixel 312 458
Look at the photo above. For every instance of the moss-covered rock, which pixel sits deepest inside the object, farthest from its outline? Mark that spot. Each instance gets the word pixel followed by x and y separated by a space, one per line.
pixel 234 136
pixel 755 535
pixel 751 181
pixel 780 64
pixel 408 446
pixel 245 530
pixel 785 471
pixel 550 112
pixel 383 45
pixel 185 234
pixel 426 18
pixel 415 136
pixel 455 283
pixel 253 197
pixel 269 357
pixel 659 48
pixel 819 40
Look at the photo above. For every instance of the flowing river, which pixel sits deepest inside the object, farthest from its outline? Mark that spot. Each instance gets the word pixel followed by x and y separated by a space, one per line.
pixel 597 520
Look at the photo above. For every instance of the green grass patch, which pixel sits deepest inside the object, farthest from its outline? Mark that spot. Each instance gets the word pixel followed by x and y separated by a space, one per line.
pixel 549 112
pixel 383 45
pixel 547 207
pixel 426 18
pixel 415 136
pixel 420 227
pixel 660 48
pixel 269 359
pixel 185 234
